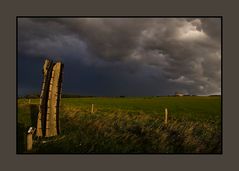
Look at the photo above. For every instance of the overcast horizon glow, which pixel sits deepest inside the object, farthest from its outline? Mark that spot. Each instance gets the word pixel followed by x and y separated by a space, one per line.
pixel 122 56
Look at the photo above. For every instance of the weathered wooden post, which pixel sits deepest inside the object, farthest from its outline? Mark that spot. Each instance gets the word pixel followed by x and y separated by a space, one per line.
pixel 41 121
pixel 92 108
pixel 48 116
pixel 30 133
pixel 52 120
pixel 166 116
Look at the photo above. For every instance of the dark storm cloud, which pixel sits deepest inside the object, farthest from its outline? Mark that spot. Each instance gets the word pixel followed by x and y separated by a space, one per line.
pixel 136 56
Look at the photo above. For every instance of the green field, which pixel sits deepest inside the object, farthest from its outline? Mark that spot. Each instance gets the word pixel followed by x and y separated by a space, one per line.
pixel 128 125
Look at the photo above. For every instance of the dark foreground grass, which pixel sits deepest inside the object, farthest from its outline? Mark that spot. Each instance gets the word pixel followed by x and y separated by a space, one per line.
pixel 129 125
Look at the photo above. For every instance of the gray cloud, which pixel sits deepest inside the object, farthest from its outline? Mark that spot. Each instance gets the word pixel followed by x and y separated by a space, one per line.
pixel 173 54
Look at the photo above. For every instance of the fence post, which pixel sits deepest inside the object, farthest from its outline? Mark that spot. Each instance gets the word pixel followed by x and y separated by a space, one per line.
pixel 30 132
pixel 166 116
pixel 92 108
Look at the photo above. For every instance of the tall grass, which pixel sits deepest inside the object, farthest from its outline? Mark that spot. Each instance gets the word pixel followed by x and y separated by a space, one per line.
pixel 130 128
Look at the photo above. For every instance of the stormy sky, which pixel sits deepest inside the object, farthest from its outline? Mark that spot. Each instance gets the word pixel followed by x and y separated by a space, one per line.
pixel 122 56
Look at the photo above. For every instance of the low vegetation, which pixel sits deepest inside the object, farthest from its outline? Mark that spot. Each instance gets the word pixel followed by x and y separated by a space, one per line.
pixel 128 125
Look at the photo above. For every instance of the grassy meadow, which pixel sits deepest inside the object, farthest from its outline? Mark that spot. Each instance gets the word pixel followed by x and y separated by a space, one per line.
pixel 128 125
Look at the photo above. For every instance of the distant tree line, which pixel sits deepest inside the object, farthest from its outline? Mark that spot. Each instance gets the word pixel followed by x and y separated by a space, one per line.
pixel 29 96
pixel 36 96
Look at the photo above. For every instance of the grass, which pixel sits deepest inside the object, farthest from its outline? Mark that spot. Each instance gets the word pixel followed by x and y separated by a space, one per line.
pixel 129 125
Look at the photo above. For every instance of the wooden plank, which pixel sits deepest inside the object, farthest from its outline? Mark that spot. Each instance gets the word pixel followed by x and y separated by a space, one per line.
pixel 47 67
pixel 52 101
pixel 48 116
